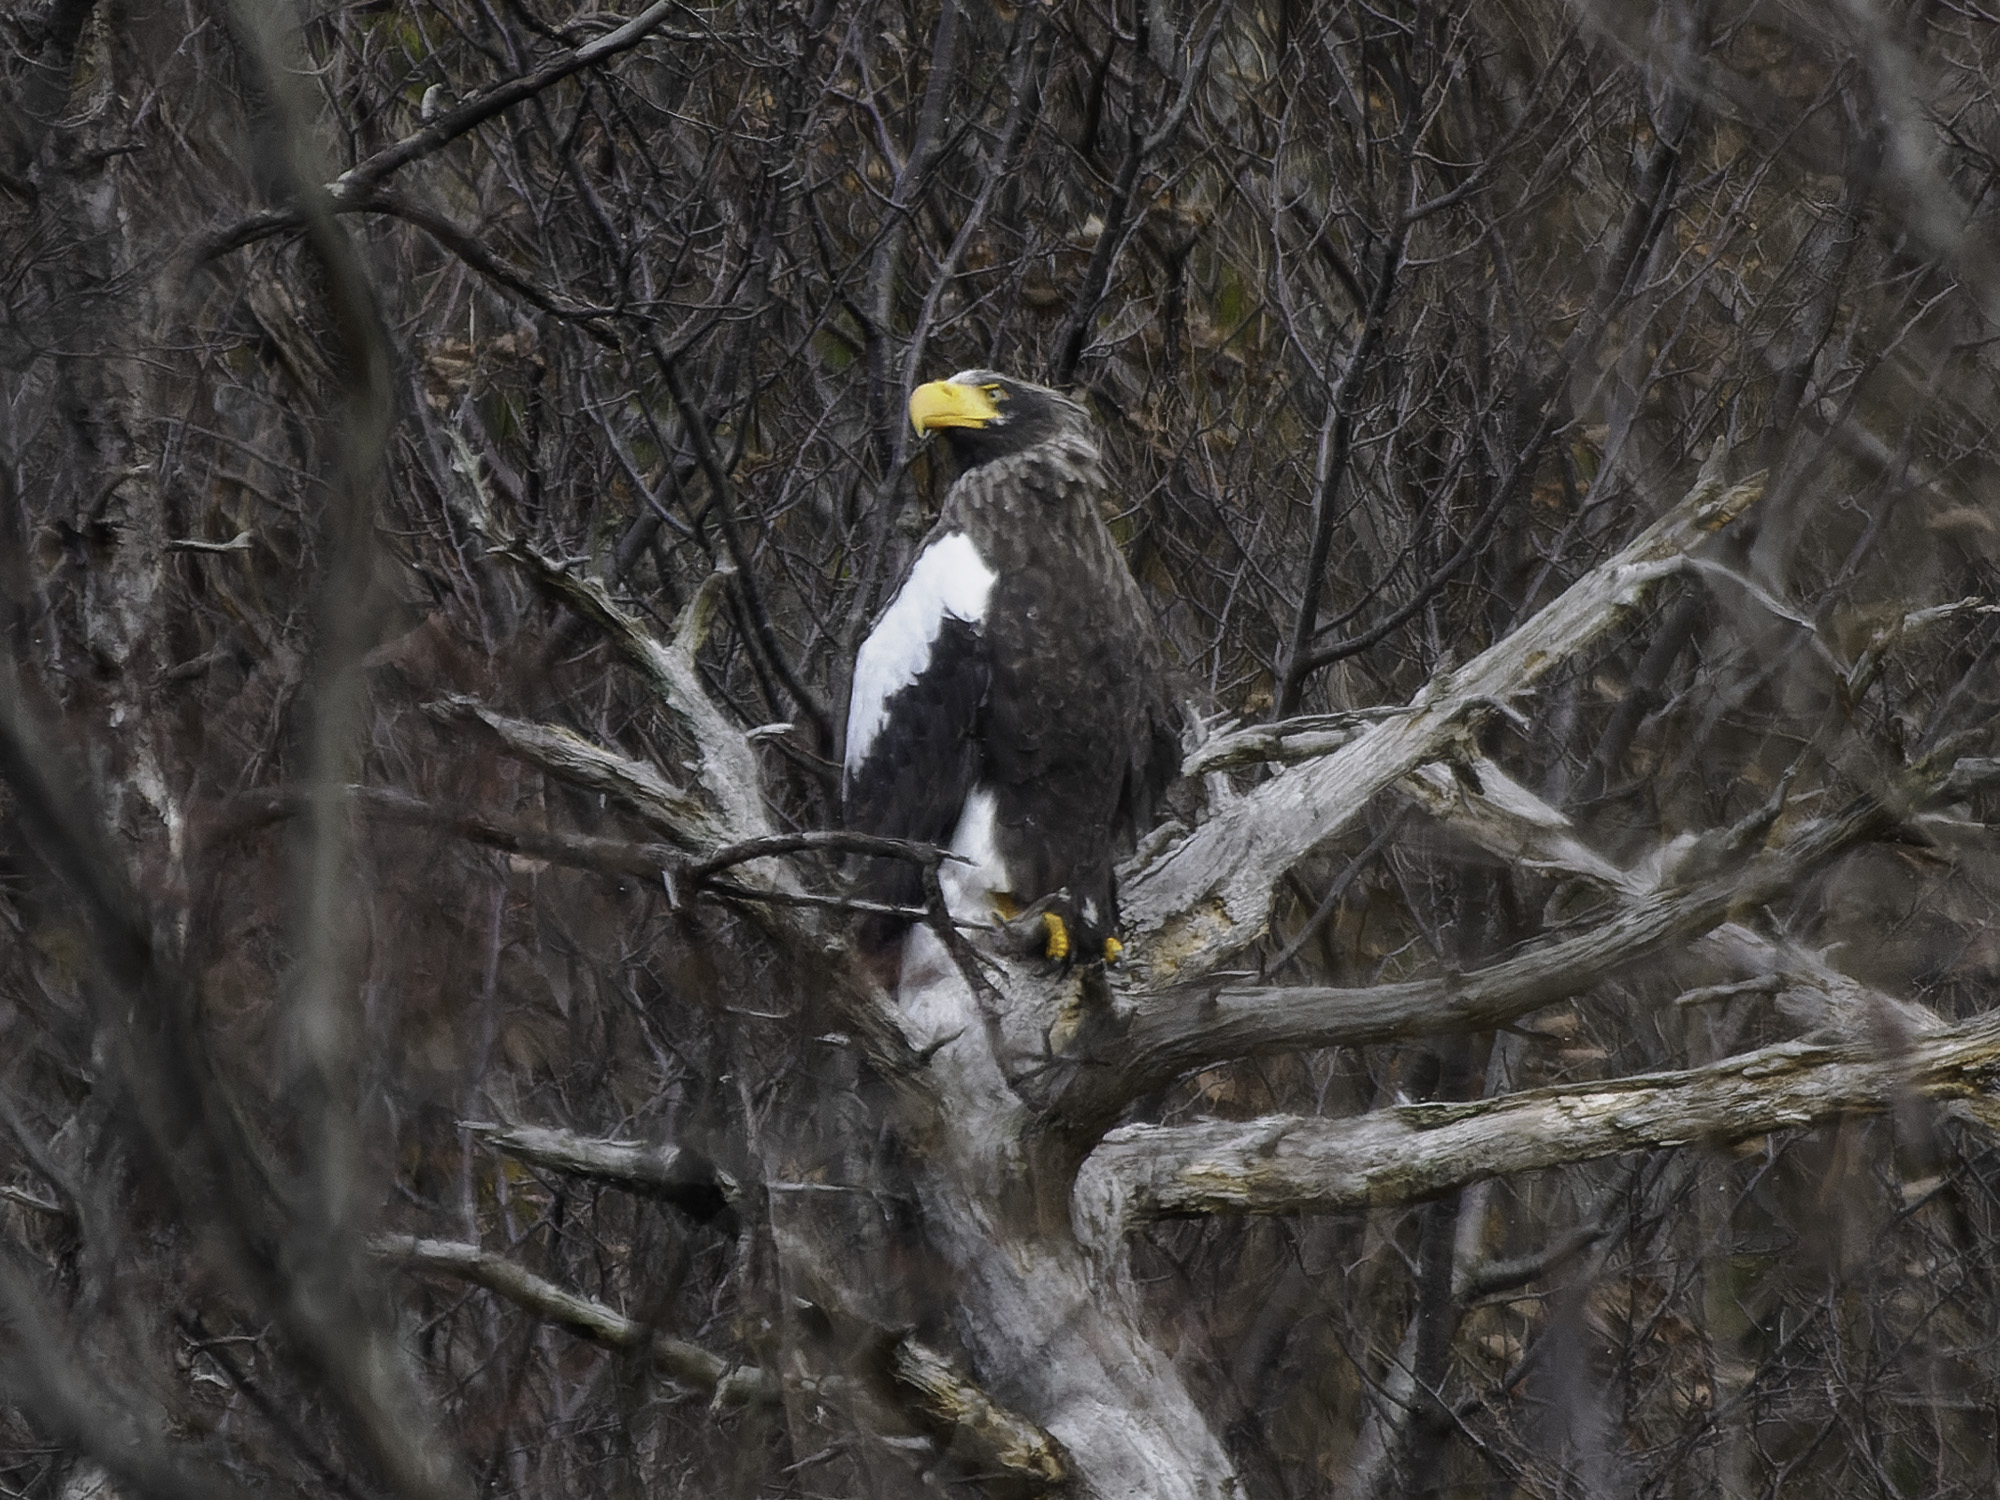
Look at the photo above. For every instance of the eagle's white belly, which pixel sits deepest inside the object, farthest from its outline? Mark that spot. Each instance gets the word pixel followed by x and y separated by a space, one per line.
pixel 936 1004
pixel 950 579
pixel 969 886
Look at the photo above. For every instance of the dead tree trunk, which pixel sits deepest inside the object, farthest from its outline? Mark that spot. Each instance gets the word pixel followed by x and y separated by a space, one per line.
pixel 1020 1071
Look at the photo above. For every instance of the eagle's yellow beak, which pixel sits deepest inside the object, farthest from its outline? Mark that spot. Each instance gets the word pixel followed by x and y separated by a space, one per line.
pixel 944 403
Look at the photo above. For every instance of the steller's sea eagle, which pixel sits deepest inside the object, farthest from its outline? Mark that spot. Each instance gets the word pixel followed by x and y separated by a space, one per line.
pixel 1011 701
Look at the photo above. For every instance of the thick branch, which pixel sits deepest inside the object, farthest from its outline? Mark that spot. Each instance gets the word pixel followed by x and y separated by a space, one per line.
pixel 696 827
pixel 682 1177
pixel 726 763
pixel 981 1429
pixel 1211 893
pixel 1288 1165
pixel 1287 741
pixel 979 1425
pixel 1165 1036
pixel 1500 815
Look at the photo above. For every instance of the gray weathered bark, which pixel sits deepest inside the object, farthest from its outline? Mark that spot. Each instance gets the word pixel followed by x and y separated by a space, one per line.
pixel 1290 1165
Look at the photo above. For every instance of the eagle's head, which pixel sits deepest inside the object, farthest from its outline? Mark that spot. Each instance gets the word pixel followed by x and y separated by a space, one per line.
pixel 985 415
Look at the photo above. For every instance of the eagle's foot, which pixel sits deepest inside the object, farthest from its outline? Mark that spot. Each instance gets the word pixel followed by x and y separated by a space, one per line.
pixel 1050 934
pixel 1056 948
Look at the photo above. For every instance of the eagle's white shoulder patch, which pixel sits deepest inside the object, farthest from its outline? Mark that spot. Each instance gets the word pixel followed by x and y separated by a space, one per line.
pixel 949 579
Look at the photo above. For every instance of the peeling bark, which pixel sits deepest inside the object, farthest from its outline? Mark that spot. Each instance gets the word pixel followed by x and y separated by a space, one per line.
pixel 1053 1323
pixel 1408 1152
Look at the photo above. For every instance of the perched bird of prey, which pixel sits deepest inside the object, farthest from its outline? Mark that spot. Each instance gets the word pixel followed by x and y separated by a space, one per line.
pixel 1011 702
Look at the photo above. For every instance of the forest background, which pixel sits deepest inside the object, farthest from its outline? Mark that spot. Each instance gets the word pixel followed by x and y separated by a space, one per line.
pixel 449 454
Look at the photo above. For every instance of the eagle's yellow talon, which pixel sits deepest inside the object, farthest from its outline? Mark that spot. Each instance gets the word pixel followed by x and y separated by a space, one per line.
pixel 1113 950
pixel 1058 931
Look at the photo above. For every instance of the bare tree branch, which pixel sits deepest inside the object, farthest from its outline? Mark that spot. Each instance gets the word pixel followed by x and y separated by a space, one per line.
pixel 355 188
pixel 689 1364
pixel 727 766
pixel 467 116
pixel 1407 1152
pixel 981 1428
pixel 984 1428
pixel 1210 894
pixel 1507 819
pixel 1164 1036
pixel 638 785
pixel 629 1164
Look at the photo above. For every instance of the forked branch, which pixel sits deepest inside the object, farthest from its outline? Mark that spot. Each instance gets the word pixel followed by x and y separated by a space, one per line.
pixel 1162 1037
pixel 636 784
pixel 1506 819
pixel 1210 894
